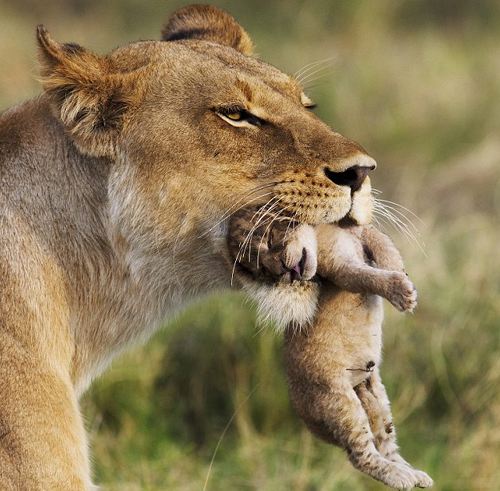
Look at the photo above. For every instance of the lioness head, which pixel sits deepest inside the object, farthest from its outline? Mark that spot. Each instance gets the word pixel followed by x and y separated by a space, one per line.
pixel 194 127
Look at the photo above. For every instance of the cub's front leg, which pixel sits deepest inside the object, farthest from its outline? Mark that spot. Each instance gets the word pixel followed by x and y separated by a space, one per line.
pixel 397 287
pixel 349 258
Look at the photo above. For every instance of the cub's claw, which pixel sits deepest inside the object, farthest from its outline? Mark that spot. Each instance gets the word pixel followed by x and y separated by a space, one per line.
pixel 398 476
pixel 401 292
pixel 423 480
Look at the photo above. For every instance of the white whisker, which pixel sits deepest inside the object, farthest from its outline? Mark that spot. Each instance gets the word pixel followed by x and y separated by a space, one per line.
pixel 230 211
pixel 243 245
pixel 306 67
pixel 400 206
pixel 315 75
pixel 310 66
pixel 398 213
pixel 279 214
pixel 292 220
pixel 254 228
pixel 397 223
pixel 268 212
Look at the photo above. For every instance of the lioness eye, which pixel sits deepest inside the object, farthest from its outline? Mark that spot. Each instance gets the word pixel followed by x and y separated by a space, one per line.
pixel 239 117
pixel 234 116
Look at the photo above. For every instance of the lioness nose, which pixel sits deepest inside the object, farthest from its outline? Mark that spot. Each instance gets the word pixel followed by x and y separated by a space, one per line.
pixel 352 177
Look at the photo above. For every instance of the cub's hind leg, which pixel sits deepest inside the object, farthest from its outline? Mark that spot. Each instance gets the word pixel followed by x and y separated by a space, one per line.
pixel 336 415
pixel 379 414
pixel 375 401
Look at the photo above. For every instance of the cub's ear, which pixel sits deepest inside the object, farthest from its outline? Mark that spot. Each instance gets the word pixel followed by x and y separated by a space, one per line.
pixel 207 23
pixel 89 99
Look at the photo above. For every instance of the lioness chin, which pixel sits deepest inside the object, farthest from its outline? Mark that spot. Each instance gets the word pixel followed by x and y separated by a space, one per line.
pixel 117 183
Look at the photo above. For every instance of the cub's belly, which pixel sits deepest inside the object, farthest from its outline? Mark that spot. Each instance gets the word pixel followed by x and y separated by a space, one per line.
pixel 352 329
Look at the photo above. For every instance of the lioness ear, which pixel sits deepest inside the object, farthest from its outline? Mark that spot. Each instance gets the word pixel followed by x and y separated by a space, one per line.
pixel 90 100
pixel 207 23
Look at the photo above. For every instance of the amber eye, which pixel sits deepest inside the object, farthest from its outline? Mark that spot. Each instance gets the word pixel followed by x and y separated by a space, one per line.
pixel 237 116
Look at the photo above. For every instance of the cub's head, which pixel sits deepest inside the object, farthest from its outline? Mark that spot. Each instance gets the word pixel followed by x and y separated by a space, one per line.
pixel 196 126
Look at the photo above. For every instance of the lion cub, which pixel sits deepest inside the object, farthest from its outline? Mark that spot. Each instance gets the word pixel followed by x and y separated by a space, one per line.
pixel 333 365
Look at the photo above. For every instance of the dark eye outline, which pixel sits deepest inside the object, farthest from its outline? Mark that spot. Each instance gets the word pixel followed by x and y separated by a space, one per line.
pixel 311 107
pixel 237 114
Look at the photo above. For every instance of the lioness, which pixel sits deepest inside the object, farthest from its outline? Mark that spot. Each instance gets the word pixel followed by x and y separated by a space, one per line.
pixel 116 185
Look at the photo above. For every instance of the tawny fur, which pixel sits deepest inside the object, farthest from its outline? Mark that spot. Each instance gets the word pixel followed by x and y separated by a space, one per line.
pixel 333 364
pixel 116 186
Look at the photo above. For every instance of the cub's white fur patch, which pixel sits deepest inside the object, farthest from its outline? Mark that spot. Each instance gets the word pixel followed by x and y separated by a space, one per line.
pixel 284 304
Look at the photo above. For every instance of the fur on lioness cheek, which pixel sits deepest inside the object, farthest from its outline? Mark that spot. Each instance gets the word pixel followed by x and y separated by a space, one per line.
pixel 284 304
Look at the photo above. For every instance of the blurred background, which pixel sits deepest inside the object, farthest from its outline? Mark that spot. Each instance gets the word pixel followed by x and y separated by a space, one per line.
pixel 417 82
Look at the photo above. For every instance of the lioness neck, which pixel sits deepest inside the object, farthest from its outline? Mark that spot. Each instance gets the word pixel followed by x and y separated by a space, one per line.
pixel 100 290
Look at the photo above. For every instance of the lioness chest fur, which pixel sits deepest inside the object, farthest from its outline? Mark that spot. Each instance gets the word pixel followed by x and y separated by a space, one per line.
pixel 116 186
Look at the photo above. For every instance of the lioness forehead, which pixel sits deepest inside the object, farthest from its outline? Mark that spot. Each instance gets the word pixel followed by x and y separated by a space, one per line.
pixel 191 56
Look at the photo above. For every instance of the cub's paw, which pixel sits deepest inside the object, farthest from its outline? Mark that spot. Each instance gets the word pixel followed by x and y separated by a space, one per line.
pixel 398 476
pixel 300 254
pixel 423 479
pixel 401 292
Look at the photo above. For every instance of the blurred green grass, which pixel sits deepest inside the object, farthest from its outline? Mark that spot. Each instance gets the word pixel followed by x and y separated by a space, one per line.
pixel 418 83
